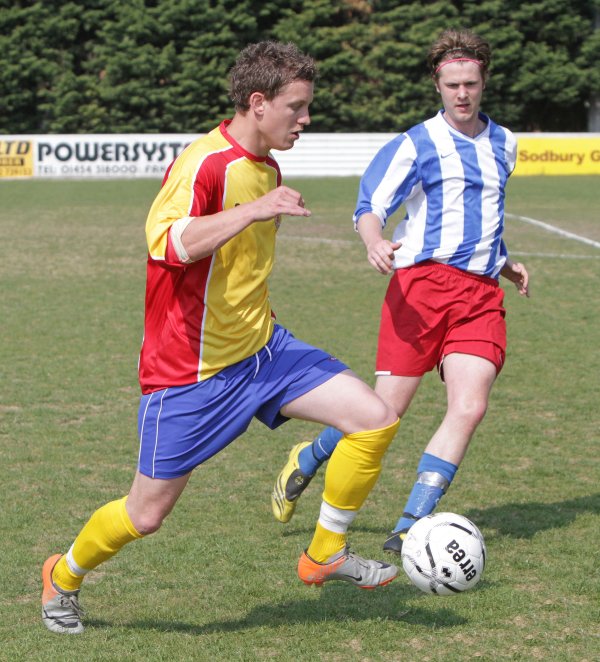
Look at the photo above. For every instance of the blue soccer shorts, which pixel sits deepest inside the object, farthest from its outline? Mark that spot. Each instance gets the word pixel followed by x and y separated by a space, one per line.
pixel 183 426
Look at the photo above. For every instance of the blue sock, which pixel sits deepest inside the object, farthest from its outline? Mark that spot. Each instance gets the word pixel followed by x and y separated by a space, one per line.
pixel 313 456
pixel 424 498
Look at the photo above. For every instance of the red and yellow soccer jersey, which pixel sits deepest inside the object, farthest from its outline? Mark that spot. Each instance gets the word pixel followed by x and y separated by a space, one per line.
pixel 206 315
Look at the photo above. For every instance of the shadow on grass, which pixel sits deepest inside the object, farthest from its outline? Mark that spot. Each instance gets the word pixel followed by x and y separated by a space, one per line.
pixel 519 520
pixel 524 520
pixel 336 604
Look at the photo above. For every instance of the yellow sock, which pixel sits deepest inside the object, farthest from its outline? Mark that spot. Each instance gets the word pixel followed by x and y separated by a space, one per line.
pixel 351 474
pixel 325 544
pixel 106 532
pixel 355 466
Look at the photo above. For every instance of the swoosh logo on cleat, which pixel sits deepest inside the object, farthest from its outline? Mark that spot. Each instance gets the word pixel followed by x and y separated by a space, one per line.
pixel 356 579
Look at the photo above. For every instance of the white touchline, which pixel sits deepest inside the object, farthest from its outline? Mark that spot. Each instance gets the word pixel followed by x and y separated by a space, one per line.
pixel 560 256
pixel 555 230
pixel 524 219
pixel 320 240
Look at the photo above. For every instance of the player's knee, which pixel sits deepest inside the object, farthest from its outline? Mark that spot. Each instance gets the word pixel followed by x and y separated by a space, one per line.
pixel 381 415
pixel 148 522
pixel 471 410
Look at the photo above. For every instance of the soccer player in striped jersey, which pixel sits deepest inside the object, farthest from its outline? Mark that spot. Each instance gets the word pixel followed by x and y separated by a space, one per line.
pixel 213 357
pixel 443 306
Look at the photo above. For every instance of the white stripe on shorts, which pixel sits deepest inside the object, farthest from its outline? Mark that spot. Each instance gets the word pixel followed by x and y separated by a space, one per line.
pixel 156 438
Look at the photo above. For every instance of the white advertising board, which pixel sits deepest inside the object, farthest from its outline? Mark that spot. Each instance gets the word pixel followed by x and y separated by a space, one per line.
pixel 314 155
pixel 94 156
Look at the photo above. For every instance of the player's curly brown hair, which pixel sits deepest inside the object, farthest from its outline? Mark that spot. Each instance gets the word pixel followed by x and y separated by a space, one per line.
pixel 267 67
pixel 453 43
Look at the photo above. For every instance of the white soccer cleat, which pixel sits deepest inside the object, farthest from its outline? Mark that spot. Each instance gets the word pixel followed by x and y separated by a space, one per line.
pixel 61 612
pixel 348 567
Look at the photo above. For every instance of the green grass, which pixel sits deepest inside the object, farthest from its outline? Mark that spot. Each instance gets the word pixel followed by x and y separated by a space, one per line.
pixel 218 581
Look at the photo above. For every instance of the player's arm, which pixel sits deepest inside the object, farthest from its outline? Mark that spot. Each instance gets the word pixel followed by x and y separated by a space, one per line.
pixel 200 236
pixel 517 274
pixel 385 185
pixel 380 251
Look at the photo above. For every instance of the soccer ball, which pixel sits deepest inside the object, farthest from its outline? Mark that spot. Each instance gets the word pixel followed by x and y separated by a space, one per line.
pixel 444 554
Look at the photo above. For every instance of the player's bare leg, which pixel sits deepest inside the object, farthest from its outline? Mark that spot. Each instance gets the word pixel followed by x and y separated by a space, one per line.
pixel 469 380
pixel 397 391
pixel 150 500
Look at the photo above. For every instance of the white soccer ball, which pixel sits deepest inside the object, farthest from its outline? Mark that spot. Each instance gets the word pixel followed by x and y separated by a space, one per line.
pixel 444 554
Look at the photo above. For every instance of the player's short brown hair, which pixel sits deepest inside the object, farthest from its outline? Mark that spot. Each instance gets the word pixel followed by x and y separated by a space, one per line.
pixel 462 43
pixel 267 67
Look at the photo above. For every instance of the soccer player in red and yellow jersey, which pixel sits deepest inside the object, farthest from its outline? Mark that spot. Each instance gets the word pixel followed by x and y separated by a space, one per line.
pixel 213 357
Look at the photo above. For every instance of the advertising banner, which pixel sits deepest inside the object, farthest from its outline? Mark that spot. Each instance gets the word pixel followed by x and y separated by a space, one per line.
pixel 558 154
pixel 318 155
pixel 94 156
pixel 16 157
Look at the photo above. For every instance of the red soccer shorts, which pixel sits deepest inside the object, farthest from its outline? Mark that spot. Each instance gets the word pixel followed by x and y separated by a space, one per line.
pixel 432 310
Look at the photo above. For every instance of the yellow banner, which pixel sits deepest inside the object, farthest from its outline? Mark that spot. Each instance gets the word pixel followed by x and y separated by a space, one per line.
pixel 563 155
pixel 16 158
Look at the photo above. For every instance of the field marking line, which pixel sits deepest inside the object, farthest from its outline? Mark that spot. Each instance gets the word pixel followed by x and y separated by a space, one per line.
pixel 348 242
pixel 561 256
pixel 524 219
pixel 319 240
pixel 555 230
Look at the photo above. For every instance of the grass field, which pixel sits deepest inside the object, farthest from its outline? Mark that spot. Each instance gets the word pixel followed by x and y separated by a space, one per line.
pixel 218 581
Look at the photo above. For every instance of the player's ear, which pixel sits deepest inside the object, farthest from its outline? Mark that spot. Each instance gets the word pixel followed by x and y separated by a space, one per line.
pixel 257 102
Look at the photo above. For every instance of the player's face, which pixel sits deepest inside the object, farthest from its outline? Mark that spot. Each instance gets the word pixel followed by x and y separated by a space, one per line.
pixel 461 85
pixel 286 115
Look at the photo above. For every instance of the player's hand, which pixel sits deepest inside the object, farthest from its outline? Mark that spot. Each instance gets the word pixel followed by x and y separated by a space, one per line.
pixel 380 254
pixel 517 274
pixel 282 200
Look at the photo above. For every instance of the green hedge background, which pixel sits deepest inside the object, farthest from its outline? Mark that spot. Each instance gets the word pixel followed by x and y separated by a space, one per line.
pixel 107 66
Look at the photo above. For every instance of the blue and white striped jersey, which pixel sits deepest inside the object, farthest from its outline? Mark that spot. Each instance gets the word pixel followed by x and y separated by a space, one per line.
pixel 453 189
